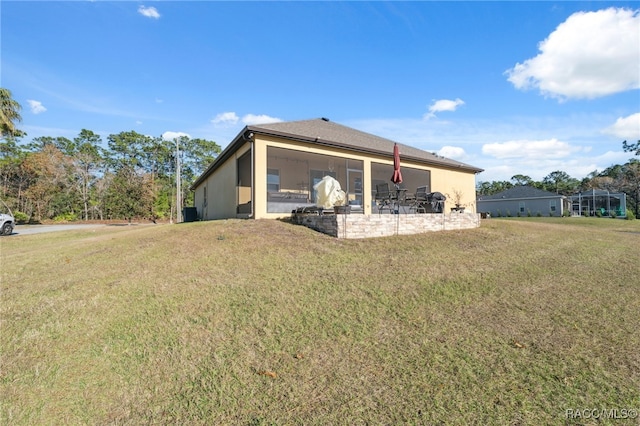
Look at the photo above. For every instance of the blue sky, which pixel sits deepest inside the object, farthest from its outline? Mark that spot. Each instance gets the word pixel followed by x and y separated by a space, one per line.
pixel 511 87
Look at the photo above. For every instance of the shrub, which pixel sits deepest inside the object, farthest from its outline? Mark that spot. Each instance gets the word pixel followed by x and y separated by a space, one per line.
pixel 21 217
pixel 630 215
pixel 528 213
pixel 508 213
pixel 161 215
pixel 66 217
pixel 518 214
pixel 539 214
pixel 498 213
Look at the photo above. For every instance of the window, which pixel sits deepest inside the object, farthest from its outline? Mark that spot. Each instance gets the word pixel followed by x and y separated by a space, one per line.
pixel 552 205
pixel 521 206
pixel 273 180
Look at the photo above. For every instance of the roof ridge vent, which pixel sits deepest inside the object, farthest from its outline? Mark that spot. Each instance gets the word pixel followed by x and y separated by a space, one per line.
pixel 324 119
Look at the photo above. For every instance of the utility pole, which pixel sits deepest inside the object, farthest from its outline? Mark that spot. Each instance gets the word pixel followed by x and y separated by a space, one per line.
pixel 178 189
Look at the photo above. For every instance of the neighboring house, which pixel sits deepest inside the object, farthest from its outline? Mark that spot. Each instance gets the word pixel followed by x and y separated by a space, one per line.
pixel 524 201
pixel 269 170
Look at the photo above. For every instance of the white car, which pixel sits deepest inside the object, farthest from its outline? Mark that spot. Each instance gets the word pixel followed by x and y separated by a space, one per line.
pixel 7 221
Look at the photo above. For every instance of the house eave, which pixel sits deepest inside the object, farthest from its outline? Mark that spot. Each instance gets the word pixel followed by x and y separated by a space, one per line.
pixel 235 144
pixel 359 150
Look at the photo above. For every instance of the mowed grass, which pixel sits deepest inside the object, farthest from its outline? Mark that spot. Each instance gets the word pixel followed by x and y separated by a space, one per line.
pixel 265 322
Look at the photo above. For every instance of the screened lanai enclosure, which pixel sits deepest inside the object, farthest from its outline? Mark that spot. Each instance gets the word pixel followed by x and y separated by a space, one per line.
pixel 292 175
pixel 599 203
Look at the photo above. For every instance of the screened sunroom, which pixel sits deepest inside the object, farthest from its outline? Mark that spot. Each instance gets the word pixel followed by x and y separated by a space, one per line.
pixel 599 203
pixel 292 175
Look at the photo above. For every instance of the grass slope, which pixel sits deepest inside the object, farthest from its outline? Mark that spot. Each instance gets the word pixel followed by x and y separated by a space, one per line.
pixel 263 322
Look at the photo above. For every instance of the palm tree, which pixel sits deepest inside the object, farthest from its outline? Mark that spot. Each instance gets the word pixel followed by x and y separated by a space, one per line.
pixel 9 114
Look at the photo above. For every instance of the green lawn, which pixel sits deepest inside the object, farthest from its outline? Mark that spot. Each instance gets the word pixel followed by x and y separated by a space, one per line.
pixel 264 322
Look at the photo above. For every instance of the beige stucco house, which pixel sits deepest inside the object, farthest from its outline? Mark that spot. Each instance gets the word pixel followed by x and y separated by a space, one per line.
pixel 269 170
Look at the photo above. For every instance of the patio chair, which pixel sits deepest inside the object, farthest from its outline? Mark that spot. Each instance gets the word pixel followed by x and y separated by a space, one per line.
pixel 385 198
pixel 420 200
pixel 428 202
pixel 407 201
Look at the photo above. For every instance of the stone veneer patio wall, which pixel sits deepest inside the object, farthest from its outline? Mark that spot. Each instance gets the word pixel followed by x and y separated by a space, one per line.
pixel 363 226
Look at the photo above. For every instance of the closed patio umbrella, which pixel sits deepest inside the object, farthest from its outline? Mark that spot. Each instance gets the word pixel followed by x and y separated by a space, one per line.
pixel 397 175
pixel 396 178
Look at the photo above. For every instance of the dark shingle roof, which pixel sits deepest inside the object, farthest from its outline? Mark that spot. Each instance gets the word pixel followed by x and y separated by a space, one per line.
pixel 325 132
pixel 519 192
pixel 322 131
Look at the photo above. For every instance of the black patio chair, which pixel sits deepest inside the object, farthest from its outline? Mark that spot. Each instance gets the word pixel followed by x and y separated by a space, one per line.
pixel 385 197
pixel 407 201
pixel 428 202
pixel 420 200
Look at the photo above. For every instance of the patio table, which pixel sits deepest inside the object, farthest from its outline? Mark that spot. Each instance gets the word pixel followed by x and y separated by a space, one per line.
pixel 400 200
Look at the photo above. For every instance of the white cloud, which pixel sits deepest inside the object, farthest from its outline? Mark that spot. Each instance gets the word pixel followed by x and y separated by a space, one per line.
pixel 443 105
pixel 537 150
pixel 251 119
pixel 170 136
pixel 225 118
pixel 453 152
pixel 229 119
pixel 36 106
pixel 576 166
pixel 534 146
pixel 590 55
pixel 627 128
pixel 149 12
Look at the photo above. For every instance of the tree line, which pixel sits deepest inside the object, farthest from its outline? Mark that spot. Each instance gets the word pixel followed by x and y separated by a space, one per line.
pixel 134 175
pixel 131 176
pixel 617 178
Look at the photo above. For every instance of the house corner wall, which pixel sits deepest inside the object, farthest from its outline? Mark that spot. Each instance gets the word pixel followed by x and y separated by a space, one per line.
pixel 260 180
pixel 222 190
pixel 448 182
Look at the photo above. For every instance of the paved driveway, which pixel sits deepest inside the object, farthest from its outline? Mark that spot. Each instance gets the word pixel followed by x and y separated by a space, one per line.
pixel 36 229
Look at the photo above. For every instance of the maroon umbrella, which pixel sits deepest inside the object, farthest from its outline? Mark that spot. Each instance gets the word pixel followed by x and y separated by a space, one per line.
pixel 397 176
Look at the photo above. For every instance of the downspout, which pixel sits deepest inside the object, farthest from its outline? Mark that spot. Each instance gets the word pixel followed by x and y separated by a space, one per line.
pixel 249 137
pixel 253 182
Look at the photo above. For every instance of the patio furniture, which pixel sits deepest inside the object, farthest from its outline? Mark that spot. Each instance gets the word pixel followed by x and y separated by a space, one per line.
pixel 420 200
pixel 428 202
pixel 401 200
pixel 385 198
pixel 281 201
